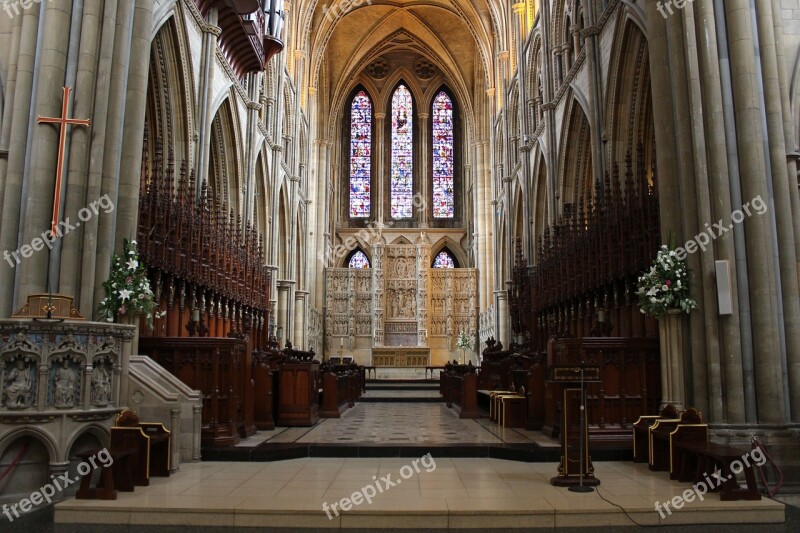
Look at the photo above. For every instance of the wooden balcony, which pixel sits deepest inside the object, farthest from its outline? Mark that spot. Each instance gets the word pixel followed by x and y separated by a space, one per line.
pixel 243 40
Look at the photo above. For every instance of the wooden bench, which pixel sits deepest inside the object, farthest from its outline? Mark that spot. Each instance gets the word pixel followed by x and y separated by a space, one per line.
pixel 513 409
pixel 665 434
pixel 494 403
pixel 116 476
pixel 341 387
pixel 710 457
pixel 641 431
pixel 151 441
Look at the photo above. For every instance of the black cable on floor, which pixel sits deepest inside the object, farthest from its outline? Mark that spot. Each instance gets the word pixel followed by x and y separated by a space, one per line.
pixel 597 489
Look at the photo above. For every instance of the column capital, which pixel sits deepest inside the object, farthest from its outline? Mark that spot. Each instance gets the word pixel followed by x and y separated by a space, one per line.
pixel 312 90
pixel 423 116
pixel 380 116
pixel 254 105
pixel 503 56
pixel 490 92
pixel 519 8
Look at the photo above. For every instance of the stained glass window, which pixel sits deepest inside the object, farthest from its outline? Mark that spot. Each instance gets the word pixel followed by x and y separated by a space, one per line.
pixel 358 260
pixel 444 260
pixel 360 155
pixel 443 204
pixel 402 153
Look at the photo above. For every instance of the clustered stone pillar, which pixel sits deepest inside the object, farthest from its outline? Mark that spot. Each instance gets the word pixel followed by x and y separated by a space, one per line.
pixel 744 367
pixel 107 69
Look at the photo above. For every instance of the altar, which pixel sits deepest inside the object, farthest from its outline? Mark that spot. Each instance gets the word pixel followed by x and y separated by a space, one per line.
pixel 400 356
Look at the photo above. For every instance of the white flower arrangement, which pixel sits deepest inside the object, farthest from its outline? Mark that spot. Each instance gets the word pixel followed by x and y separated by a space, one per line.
pixel 127 289
pixel 463 341
pixel 665 286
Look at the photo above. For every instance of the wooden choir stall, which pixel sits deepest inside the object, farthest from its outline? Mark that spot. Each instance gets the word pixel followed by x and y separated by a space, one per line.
pixel 212 287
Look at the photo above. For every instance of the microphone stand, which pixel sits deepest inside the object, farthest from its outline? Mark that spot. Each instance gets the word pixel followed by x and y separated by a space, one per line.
pixel 581 487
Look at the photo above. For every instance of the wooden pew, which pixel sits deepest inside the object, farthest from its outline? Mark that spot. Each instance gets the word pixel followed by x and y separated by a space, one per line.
pixel 115 476
pixel 698 461
pixel 298 389
pixel 641 432
pixel 666 434
pixel 341 387
pixel 220 368
pixel 148 442
pixel 459 387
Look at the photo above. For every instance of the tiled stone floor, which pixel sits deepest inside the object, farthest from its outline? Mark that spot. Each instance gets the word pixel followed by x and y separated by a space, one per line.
pixel 457 494
pixel 460 494
pixel 404 423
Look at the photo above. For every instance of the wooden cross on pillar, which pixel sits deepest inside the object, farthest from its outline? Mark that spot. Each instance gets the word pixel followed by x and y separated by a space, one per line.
pixel 64 121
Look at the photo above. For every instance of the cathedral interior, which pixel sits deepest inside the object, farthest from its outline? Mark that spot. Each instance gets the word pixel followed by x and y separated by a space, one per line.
pixel 320 203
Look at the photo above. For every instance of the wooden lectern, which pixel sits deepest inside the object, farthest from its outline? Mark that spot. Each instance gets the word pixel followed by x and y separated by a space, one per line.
pixel 576 467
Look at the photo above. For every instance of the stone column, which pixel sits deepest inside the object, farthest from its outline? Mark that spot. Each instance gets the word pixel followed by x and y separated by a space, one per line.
pixel 758 230
pixel 379 169
pixel 783 189
pixel 197 411
pixel 502 317
pixel 377 287
pixel 112 157
pixel 283 311
pixel 87 266
pixel 575 30
pixel 425 183
pixel 175 439
pixel 730 327
pixel 300 301
pixel 695 179
pixel 42 145
pixel 81 143
pixel 211 34
pixel 127 208
pixel 17 121
pixel 794 196
pixel 423 289
pixel 673 389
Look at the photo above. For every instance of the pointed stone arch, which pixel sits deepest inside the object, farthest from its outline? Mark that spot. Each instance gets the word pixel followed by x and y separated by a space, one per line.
pixel 453 248
pixel 169 111
pixel 224 161
pixel 575 165
pixel 541 202
pixel 629 120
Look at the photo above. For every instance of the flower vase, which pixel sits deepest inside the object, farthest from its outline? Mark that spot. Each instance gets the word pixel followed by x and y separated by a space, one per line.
pixel 132 319
pixel 670 329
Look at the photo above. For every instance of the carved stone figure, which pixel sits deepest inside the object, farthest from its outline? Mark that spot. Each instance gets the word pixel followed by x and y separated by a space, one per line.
pixel 65 386
pixel 18 386
pixel 101 384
